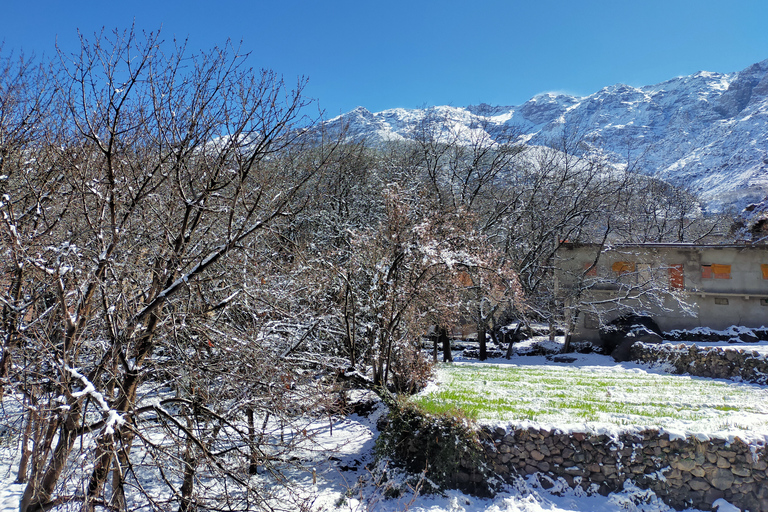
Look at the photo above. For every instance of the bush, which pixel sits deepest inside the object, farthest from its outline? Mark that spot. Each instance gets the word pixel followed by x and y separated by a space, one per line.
pixel 411 369
pixel 442 446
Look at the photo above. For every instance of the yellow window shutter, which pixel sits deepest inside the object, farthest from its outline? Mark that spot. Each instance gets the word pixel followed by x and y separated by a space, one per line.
pixel 721 271
pixel 764 268
pixel 623 267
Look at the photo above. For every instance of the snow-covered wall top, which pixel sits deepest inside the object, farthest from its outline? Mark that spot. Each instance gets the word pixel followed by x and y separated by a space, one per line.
pixel 708 131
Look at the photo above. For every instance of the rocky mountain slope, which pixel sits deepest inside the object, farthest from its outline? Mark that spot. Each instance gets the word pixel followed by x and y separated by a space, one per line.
pixel 707 131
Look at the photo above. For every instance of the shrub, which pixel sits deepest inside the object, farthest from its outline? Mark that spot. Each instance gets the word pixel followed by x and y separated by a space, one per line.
pixel 411 369
pixel 442 445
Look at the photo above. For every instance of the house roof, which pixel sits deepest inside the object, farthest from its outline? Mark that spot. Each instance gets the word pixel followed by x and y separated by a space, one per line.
pixel 650 245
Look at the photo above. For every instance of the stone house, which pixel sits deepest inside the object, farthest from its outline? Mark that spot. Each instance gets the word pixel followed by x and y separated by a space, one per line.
pixel 679 286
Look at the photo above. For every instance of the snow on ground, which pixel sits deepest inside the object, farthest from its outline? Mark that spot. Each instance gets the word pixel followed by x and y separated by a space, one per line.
pixel 351 445
pixel 340 476
pixel 341 456
pixel 10 494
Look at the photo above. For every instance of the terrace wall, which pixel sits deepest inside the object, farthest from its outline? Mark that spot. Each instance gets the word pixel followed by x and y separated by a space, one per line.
pixel 684 472
pixel 712 362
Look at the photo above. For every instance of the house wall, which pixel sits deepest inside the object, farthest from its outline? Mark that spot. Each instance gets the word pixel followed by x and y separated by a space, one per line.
pixel 640 275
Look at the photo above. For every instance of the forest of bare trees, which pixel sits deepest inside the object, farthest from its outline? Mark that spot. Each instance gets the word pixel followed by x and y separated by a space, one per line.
pixel 193 269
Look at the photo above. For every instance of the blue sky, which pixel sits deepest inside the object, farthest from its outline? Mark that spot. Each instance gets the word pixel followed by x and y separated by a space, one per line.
pixel 412 53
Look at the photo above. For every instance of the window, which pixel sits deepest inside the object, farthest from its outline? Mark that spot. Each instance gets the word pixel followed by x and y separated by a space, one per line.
pixel 764 268
pixel 764 302
pixel 676 277
pixel 721 301
pixel 590 272
pixel 623 267
pixel 715 271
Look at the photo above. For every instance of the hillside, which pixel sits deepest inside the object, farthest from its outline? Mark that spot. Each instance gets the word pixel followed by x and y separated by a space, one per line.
pixel 707 131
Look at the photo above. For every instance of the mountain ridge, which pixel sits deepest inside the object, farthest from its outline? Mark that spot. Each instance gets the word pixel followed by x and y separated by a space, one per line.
pixel 707 131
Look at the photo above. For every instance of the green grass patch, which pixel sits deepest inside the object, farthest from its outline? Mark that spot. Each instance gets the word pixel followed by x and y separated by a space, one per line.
pixel 560 394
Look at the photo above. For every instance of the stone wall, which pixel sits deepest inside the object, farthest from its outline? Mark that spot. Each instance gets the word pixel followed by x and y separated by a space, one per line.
pixel 713 362
pixel 684 473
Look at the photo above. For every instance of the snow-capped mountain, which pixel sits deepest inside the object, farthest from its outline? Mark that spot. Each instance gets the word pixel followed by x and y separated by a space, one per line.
pixel 708 131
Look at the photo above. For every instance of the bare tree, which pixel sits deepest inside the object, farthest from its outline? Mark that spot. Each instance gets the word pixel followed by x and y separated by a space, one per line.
pixel 163 168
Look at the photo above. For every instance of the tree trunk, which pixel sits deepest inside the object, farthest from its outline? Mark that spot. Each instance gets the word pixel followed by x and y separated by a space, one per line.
pixel 569 332
pixel 37 494
pixel 443 336
pixel 512 337
pixel 118 501
pixel 21 476
pixel 187 485
pixel 103 457
pixel 253 460
pixel 482 342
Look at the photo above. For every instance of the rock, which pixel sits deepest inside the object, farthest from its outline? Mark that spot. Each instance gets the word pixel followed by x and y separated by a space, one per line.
pixel 685 464
pixel 721 479
pixel 597 477
pixel 699 484
pixel 502 469
pixel 712 495
pixel 673 475
pixel 574 471
pixel 740 470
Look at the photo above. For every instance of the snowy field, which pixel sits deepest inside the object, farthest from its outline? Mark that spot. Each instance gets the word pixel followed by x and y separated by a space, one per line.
pixel 338 464
pixel 596 394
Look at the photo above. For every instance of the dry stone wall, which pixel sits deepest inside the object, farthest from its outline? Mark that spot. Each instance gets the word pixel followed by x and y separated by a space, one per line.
pixel 713 362
pixel 684 472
